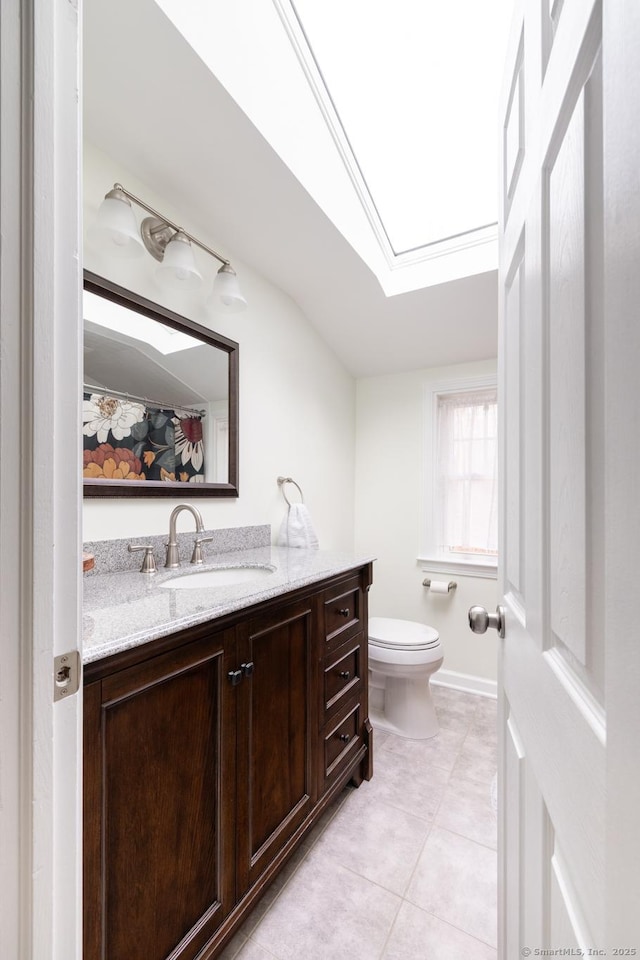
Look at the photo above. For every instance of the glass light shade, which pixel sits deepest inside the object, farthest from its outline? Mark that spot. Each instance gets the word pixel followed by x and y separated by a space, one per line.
pixel 178 269
pixel 226 295
pixel 115 228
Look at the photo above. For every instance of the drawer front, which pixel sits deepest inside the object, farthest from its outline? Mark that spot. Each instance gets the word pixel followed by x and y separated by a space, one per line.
pixel 341 741
pixel 342 675
pixel 343 612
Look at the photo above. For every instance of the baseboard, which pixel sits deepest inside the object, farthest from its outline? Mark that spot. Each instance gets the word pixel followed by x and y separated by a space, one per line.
pixel 466 682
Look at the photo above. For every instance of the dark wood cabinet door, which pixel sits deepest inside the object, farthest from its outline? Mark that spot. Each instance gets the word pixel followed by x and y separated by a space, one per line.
pixel 276 706
pixel 159 804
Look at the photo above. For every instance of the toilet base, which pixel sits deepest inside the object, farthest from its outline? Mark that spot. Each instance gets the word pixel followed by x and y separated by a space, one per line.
pixel 381 724
pixel 403 707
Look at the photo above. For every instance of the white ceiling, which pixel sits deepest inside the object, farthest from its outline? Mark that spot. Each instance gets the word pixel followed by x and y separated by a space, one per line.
pixel 152 105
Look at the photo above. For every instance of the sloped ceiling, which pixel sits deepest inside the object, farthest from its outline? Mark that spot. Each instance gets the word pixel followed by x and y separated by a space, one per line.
pixel 151 104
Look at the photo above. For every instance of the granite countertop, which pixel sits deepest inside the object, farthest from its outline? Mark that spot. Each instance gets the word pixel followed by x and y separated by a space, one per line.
pixel 124 609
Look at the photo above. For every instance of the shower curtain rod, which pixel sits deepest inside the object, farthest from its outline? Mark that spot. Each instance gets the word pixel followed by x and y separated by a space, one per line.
pixel 92 388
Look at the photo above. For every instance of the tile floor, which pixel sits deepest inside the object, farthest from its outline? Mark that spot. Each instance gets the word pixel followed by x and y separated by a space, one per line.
pixel 404 868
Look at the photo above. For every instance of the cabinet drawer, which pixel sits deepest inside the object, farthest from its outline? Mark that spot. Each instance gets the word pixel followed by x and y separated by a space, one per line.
pixel 342 675
pixel 343 611
pixel 341 741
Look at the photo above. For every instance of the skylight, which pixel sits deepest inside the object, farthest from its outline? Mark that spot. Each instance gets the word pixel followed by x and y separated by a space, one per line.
pixel 121 320
pixel 414 86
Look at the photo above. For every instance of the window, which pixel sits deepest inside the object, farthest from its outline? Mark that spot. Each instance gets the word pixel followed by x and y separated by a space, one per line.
pixel 462 475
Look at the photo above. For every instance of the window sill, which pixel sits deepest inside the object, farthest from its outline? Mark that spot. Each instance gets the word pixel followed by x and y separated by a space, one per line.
pixel 461 568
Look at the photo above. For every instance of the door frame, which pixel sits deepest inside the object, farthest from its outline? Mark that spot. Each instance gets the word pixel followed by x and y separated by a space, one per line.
pixel 621 33
pixel 40 493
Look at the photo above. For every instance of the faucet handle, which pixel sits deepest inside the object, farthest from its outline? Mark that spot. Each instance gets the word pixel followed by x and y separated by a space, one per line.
pixel 197 555
pixel 148 561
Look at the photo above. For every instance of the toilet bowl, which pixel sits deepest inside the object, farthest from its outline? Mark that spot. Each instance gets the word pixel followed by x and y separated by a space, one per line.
pixel 403 655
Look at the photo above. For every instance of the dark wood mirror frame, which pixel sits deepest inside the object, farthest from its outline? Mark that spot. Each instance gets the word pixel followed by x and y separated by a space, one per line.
pixel 154 488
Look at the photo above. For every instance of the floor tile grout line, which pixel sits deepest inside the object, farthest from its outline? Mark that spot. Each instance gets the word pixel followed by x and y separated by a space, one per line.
pixel 458 833
pixel 408 813
pixel 452 925
pixel 478 783
pixel 464 837
pixel 408 884
pixel 434 763
pixel 448 783
pixel 384 802
pixel 263 948
pixel 361 876
pixel 393 751
pixel 472 780
pixel 391 928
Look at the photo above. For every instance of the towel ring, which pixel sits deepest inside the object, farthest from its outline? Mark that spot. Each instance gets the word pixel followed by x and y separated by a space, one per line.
pixel 281 483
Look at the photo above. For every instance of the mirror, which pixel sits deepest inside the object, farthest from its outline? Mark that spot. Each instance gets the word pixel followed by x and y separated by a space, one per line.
pixel 160 400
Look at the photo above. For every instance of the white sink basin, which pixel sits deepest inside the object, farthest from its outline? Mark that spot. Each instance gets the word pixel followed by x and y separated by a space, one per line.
pixel 218 577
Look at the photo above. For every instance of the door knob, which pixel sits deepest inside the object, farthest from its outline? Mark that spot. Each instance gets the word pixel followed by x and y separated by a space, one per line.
pixel 480 620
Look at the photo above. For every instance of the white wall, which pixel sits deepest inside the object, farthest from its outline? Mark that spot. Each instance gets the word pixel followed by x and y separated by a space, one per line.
pixel 297 401
pixel 302 415
pixel 389 514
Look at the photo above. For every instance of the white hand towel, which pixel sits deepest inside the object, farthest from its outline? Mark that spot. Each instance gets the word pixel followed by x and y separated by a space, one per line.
pixel 297 529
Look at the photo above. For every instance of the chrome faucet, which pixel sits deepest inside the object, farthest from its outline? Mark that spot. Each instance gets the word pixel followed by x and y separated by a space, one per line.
pixel 173 557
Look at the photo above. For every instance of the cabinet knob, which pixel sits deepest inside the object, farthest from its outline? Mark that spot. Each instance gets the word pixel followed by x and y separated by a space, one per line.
pixel 345 674
pixel 247 668
pixel 235 676
pixel 344 612
pixel 345 737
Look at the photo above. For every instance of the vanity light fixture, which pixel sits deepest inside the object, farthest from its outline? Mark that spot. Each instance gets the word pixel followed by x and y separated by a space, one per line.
pixel 177 268
pixel 116 226
pixel 168 243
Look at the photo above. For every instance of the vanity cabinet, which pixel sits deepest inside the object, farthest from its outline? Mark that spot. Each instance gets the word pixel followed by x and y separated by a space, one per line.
pixel 208 757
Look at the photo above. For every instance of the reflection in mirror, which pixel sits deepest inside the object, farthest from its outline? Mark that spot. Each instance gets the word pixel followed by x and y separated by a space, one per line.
pixel 159 400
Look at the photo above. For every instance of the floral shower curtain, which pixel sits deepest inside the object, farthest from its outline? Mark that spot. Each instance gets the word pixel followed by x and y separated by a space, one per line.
pixel 125 440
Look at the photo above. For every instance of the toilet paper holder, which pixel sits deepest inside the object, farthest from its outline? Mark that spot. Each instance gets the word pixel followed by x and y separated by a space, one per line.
pixel 450 586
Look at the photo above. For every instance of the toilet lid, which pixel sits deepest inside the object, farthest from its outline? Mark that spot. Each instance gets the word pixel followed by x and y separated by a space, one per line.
pixel 401 634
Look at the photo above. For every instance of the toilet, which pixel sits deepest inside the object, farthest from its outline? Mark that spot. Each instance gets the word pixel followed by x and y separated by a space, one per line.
pixel 403 655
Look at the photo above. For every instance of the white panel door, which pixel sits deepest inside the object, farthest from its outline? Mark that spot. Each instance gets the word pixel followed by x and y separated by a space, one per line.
pixel 569 361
